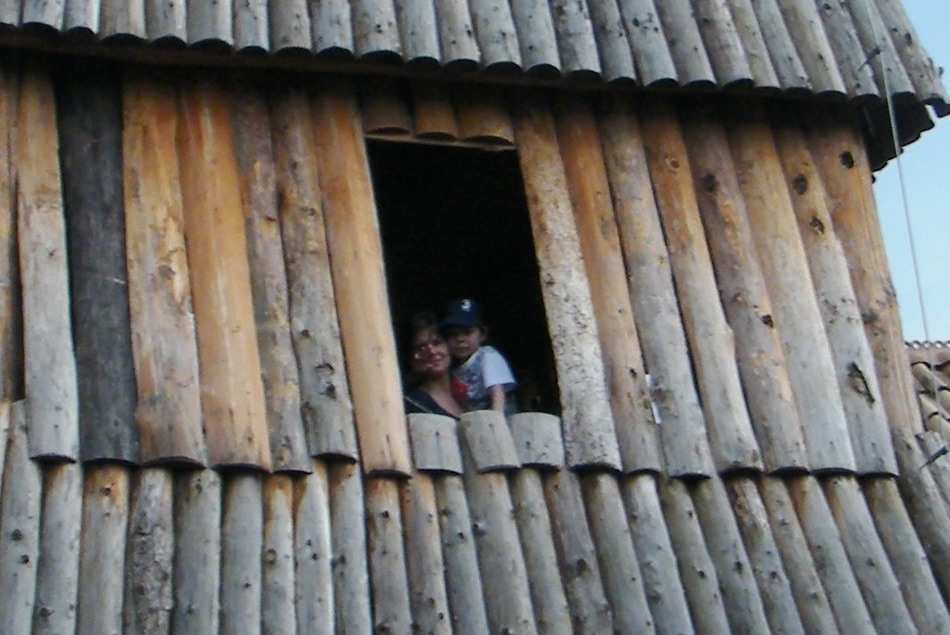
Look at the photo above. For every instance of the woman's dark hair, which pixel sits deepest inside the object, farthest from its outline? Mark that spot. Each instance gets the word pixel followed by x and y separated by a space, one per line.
pixel 420 321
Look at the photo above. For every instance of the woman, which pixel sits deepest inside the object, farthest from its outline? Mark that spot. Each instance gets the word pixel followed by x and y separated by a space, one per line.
pixel 429 386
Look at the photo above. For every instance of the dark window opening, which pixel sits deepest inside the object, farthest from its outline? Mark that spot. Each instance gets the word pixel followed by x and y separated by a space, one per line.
pixel 455 224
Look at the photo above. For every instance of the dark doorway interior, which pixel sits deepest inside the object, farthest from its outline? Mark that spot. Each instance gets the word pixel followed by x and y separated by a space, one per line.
pixel 455 224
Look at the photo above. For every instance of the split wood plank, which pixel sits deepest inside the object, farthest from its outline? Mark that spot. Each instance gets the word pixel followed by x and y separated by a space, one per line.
pixel 360 283
pixel 435 443
pixel 197 568
pixel 931 442
pixel 711 340
pixel 387 558
pixel 853 359
pixel 797 316
pixel 278 590
pixel 351 588
pixel 600 246
pixel 20 508
pixel 489 441
pixel 463 580
pixel 424 565
pixel 57 575
pixel 164 348
pixel 384 108
pixel 90 130
pixel 241 542
pixel 105 519
pixel 551 611
pixel 482 115
pixel 11 315
pixel 49 364
pixel 433 113
pixel 150 553
pixel 255 157
pixel 650 280
pixel 743 293
pixel 589 437
pixel 537 437
pixel 232 393
pixel 324 392
pixel 313 550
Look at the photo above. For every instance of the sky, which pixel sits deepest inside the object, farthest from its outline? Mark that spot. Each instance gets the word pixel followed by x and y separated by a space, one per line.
pixel 926 167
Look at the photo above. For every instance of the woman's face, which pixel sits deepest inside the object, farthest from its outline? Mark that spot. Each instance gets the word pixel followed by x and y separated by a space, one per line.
pixel 430 354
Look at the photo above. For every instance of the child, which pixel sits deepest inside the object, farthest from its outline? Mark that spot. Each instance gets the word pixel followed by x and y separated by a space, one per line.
pixel 481 375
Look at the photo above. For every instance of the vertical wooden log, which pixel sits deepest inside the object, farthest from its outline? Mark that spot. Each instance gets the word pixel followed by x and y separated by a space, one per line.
pixel 600 246
pixel 589 437
pixel 241 541
pixel 49 365
pixel 105 519
pixel 387 560
pixel 711 341
pixel 20 508
pixel 797 317
pixel 5 416
pixel 90 127
pixel 168 415
pixel 931 442
pixel 482 115
pixel 650 281
pixel 278 592
pixel 57 575
pixel 312 573
pixel 744 295
pixel 150 554
pixel 255 156
pixel 351 590
pixel 11 317
pixel 383 108
pixel 433 112
pixel 325 394
pixel 360 284
pixel 197 552
pixel 232 395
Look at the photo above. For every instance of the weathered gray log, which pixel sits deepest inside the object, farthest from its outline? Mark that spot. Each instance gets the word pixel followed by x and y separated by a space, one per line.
pixel 657 560
pixel 331 27
pixel 482 115
pixel 650 49
pixel 879 50
pixel 241 541
pixel 46 12
pixel 921 69
pixel 289 26
pixel 166 19
pixel 697 571
pixel 122 18
pixel 933 442
pixel 457 34
pixel 831 561
pixel 853 360
pixel 495 32
pixel 57 574
pixel 807 32
pixel 278 591
pixel 744 294
pixel 105 519
pixel 488 438
pixel 722 43
pixel 49 365
pixel 197 552
pixel 535 27
pixel 616 56
pixel 164 347
pixel 82 14
pixel 712 342
pixel 255 157
pixel 11 315
pixel 575 38
pixel 737 583
pixel 434 115
pixel 796 313
pixel 594 216
pixel 879 585
pixel 813 606
pixel 618 560
pixel 387 558
pixel 20 508
pixel 150 553
pixel 537 438
pixel 312 569
pixel 351 590
pixel 435 443
pixel 10 14
pixel 765 558
pixel 463 581
pixel 375 31
pixel 90 125
pixel 424 565
pixel 655 309
pixel 785 58
pixel 858 76
pixel 686 44
pixel 906 555
pixel 418 32
pixel 589 437
pixel 324 392
pixel 753 44
pixel 590 609
pixel 5 432
pixel 210 23
pixel 551 612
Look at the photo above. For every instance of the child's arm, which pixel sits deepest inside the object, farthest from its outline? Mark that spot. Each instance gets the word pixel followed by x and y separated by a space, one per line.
pixel 497 396
pixel 497 377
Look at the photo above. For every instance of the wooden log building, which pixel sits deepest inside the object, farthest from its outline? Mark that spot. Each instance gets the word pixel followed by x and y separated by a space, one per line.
pixel 215 215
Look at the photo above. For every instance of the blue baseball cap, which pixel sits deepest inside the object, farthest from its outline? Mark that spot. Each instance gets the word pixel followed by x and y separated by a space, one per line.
pixel 464 312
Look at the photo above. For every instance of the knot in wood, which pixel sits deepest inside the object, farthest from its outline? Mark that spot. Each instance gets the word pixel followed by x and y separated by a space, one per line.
pixel 847 159
pixel 710 183
pixel 800 184
pixel 16 534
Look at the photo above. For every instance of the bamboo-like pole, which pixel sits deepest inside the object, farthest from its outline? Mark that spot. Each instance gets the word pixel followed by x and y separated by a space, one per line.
pixel 197 552
pixel 232 394
pixel 387 557
pixel 313 553
pixel 359 282
pixel 11 326
pixel 324 391
pixel 600 246
pixel 653 297
pixel 711 340
pixel 351 589
pixel 164 347
pixel 241 541
pixel 49 364
pixel 278 590
pixel 589 437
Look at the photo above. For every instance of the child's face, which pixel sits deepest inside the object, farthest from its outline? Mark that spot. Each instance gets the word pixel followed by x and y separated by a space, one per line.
pixel 463 341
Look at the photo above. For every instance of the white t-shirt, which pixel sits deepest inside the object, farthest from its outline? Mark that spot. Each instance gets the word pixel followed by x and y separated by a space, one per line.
pixel 484 369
